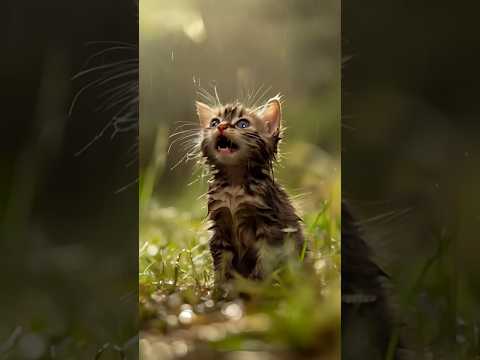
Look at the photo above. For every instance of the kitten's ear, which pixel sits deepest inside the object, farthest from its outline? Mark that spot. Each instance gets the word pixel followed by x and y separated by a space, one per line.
pixel 204 112
pixel 271 114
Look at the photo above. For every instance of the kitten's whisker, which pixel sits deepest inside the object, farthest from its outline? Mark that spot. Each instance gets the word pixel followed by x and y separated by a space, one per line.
pixel 252 97
pixel 182 132
pixel 172 144
pixel 187 127
pixel 387 216
pixel 80 92
pixel 300 195
pixel 216 96
pixel 187 146
pixel 101 67
pixel 122 94
pixel 105 51
pixel 193 182
pixel 117 75
pixel 189 143
pixel 257 94
pixel 190 152
pixel 190 136
pixel 107 105
pixel 184 157
pixel 183 122
pixel 113 42
pixel 187 124
pixel 96 137
pixel 99 82
pixel 261 97
pixel 192 155
pixel 247 96
pixel 202 196
pixel 179 139
pixel 122 109
pixel 207 98
pixel 202 89
pixel 178 163
pixel 131 84
pixel 206 95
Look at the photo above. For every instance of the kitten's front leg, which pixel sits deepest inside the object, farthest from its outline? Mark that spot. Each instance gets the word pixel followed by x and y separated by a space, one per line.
pixel 222 261
pixel 273 248
pixel 266 260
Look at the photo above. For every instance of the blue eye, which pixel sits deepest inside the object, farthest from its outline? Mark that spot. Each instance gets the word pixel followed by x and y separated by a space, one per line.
pixel 214 122
pixel 242 124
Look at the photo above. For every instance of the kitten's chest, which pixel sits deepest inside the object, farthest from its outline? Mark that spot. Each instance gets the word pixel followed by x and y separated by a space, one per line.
pixel 233 198
pixel 235 213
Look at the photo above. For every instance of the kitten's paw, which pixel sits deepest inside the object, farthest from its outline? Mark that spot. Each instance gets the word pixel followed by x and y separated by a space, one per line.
pixel 223 290
pixel 258 273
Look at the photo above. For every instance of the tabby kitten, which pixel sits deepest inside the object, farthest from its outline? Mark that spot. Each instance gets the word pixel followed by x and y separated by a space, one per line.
pixel 367 313
pixel 251 215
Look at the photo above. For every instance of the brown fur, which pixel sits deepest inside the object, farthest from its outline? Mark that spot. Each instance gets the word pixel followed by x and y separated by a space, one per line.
pixel 251 215
pixel 367 317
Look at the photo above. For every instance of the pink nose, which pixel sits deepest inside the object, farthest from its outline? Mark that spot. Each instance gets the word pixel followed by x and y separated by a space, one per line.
pixel 222 127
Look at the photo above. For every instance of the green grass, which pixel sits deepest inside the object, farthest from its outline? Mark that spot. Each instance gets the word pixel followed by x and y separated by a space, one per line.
pixel 296 311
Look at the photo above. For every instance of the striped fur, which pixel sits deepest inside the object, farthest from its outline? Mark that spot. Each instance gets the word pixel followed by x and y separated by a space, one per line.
pixel 252 219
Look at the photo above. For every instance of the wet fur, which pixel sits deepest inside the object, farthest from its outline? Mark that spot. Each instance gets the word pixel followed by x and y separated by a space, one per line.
pixel 251 215
pixel 367 314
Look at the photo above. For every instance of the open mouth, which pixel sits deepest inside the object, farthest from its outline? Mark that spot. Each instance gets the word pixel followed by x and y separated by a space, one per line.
pixel 225 145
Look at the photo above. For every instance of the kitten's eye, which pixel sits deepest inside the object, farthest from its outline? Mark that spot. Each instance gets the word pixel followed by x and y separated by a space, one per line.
pixel 214 122
pixel 242 124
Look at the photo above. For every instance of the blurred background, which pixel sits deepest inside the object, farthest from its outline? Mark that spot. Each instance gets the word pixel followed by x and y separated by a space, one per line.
pixel 237 48
pixel 410 159
pixel 68 240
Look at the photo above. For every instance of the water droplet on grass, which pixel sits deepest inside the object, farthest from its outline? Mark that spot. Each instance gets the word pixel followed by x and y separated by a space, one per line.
pixel 186 316
pixel 233 311
pixel 320 265
pixel 152 250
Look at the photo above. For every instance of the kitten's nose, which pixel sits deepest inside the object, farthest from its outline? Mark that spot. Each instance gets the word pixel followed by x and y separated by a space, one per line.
pixel 222 127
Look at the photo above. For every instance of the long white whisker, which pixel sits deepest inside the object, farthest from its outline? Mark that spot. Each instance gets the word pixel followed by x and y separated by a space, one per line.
pixel 253 96
pixel 182 132
pixel 133 46
pixel 105 51
pixel 260 98
pixel 177 140
pixel 192 127
pixel 206 95
pixel 100 67
pixel 216 96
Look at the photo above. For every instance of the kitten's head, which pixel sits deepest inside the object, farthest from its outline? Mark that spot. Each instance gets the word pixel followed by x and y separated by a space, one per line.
pixel 233 135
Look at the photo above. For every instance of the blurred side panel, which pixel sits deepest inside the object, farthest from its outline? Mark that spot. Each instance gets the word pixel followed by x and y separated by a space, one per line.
pixel 410 163
pixel 68 170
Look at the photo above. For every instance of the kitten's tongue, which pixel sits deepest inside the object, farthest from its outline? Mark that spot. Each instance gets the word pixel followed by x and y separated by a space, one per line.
pixel 225 150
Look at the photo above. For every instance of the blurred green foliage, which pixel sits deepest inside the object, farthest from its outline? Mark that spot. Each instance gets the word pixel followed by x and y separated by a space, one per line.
pixel 296 311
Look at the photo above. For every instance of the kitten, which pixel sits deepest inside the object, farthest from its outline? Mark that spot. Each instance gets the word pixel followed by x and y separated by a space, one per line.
pixel 367 312
pixel 252 217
